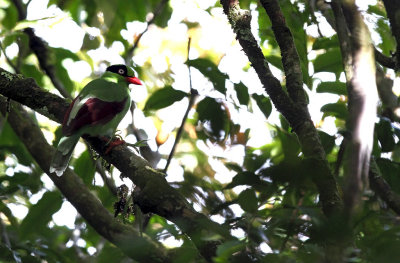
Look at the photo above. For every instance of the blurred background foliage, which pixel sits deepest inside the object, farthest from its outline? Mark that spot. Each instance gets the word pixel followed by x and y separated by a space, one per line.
pixel 237 162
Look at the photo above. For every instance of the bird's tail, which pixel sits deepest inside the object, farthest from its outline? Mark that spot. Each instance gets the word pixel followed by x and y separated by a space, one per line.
pixel 63 154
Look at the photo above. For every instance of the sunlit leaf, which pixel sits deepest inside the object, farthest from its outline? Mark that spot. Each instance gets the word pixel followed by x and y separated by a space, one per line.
pixel 244 178
pixel 377 9
pixel 388 44
pixel 211 71
pixel 10 17
pixel 242 93
pixel 163 98
pixel 338 110
pixel 248 201
pixel 275 61
pixel 330 61
pixel 264 103
pixel 334 87
pixel 325 42
pixel 32 71
pixel 214 116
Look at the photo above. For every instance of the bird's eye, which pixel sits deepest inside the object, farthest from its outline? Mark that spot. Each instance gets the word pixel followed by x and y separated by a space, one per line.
pixel 121 71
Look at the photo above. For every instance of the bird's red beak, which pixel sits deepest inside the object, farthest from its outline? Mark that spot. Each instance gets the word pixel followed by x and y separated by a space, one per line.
pixel 133 80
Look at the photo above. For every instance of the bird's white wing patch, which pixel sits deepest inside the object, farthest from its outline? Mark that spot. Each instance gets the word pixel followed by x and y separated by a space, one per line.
pixel 75 109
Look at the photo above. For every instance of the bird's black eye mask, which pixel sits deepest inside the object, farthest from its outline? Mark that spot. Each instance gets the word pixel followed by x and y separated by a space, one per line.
pixel 118 69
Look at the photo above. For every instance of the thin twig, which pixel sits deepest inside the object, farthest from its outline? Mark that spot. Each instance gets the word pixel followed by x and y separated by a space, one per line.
pixel 15 68
pixel 8 59
pixel 41 50
pixel 145 151
pixel 157 12
pixel 192 99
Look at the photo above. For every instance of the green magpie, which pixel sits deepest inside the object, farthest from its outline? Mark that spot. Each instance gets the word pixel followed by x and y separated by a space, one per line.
pixel 96 111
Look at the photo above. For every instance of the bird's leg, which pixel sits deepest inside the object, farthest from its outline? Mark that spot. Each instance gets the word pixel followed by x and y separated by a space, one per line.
pixel 112 142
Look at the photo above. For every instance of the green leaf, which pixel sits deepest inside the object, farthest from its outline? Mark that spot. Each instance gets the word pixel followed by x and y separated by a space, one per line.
pixel 110 253
pixel 213 115
pixel 163 98
pixel 334 87
pixel 13 37
pixel 227 249
pixel 328 141
pixel 330 61
pixel 275 61
pixel 290 170
pixel 40 214
pixel 244 178
pixel 59 54
pixel 263 103
pixel 83 166
pixel 377 9
pixel 338 110
pixel 390 172
pixel 242 93
pixel 10 17
pixel 32 71
pixel 90 42
pixel 289 142
pixel 163 18
pixel 326 43
pixel 385 134
pixel 10 143
pixel 211 71
pixel 388 43
pixel 248 201
pixel 6 211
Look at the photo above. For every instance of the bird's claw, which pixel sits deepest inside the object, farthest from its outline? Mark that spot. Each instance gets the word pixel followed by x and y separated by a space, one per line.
pixel 112 143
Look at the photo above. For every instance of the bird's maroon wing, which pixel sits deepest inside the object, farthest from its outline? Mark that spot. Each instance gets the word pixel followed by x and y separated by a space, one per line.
pixel 94 111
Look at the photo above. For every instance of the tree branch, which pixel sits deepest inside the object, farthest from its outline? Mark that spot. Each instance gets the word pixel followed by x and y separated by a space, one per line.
pixel 290 57
pixel 344 40
pixel 297 115
pixel 363 100
pixel 157 12
pixel 384 60
pixel 129 240
pixel 382 188
pixel 193 95
pixel 155 194
pixel 41 50
pixel 392 9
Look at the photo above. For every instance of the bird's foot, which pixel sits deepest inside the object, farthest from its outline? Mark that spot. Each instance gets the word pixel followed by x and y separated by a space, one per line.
pixel 112 142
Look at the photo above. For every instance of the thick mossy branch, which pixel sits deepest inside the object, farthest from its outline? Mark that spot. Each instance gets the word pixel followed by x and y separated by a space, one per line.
pixel 290 57
pixel 363 101
pixel 134 244
pixel 27 92
pixel 158 196
pixel 296 113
